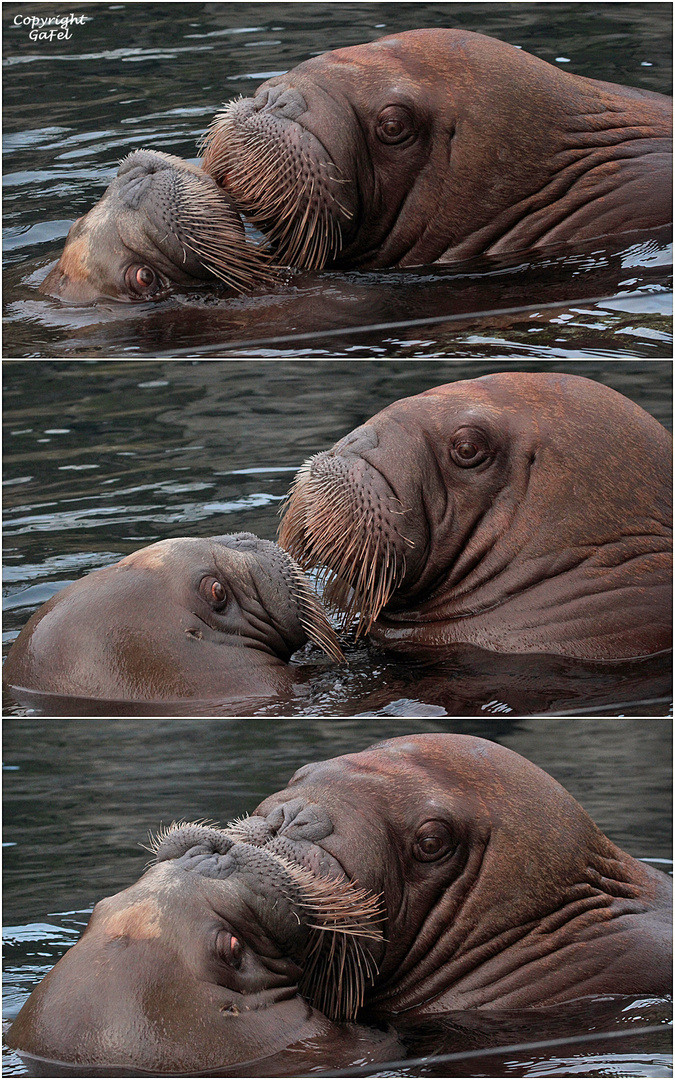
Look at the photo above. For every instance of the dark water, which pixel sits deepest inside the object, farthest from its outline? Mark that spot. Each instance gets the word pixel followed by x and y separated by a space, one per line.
pixel 102 458
pixel 153 74
pixel 81 795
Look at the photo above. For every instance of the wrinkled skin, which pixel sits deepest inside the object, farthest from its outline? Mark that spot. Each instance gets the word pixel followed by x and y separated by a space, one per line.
pixel 490 888
pixel 183 618
pixel 161 224
pixel 438 145
pixel 519 513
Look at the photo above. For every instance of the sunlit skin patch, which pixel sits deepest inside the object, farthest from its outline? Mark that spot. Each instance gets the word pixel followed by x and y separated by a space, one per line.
pixel 140 922
pixel 73 262
pixel 156 555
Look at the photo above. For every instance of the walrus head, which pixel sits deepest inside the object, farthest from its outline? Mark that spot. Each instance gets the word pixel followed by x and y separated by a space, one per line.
pixel 235 944
pixel 161 223
pixel 504 512
pixel 436 145
pixel 492 877
pixel 183 618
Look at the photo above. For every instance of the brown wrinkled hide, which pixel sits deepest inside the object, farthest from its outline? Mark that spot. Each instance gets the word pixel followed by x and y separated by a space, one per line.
pixel 518 899
pixel 438 145
pixel 554 537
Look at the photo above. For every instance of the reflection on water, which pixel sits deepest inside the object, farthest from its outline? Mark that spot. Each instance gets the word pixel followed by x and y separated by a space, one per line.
pixel 153 75
pixel 102 458
pixel 80 797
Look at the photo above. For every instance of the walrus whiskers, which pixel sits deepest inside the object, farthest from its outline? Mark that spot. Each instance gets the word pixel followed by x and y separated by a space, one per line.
pixel 337 912
pixel 312 616
pixel 337 966
pixel 283 195
pixel 360 568
pixel 216 239
pixel 160 843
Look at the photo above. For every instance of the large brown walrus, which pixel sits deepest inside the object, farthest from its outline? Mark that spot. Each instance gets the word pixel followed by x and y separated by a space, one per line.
pixel 427 874
pixel 438 145
pixel 161 223
pixel 518 513
pixel 181 619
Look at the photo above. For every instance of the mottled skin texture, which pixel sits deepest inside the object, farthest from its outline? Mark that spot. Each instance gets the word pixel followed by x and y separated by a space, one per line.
pixel 526 513
pixel 161 224
pixel 438 145
pixel 497 891
pixel 180 619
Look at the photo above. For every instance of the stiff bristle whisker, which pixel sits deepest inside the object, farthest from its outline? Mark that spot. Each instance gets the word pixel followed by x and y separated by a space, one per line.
pixel 286 195
pixel 340 915
pixel 359 566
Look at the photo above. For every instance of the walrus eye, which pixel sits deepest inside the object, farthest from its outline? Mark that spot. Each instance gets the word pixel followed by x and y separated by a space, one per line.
pixel 394 125
pixel 468 449
pixel 229 949
pixel 213 591
pixel 142 281
pixel 433 841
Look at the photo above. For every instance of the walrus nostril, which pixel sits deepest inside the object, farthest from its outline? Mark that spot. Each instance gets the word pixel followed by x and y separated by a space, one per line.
pixel 285 100
pixel 361 439
pixel 299 821
pixel 260 100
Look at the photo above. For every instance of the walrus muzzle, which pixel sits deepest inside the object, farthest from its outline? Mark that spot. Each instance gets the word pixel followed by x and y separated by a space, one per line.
pixel 280 176
pixel 323 921
pixel 343 515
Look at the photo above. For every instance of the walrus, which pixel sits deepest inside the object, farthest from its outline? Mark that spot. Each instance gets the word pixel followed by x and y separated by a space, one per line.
pixel 162 223
pixel 516 512
pixel 424 875
pixel 180 619
pixel 438 145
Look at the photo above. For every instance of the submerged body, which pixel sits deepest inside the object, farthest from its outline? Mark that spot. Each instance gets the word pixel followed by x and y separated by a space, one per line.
pixel 524 513
pixel 180 619
pixel 438 145
pixel 425 875
pixel 162 223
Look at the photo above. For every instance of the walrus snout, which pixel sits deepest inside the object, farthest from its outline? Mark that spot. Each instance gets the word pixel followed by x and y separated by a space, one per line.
pixel 280 175
pixel 357 442
pixel 343 515
pixel 177 840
